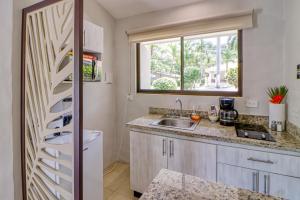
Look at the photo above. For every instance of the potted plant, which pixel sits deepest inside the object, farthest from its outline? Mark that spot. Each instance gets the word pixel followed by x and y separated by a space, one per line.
pixel 277 105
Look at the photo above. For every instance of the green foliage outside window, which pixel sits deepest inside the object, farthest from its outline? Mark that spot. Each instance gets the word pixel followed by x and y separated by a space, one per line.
pixel 191 76
pixel 165 59
pixel 229 51
pixel 199 53
pixel 232 77
pixel 165 83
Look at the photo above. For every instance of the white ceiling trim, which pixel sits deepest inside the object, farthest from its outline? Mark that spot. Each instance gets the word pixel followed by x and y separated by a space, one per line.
pixel 125 8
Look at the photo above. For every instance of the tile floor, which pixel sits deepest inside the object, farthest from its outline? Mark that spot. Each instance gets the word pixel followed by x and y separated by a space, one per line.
pixel 117 183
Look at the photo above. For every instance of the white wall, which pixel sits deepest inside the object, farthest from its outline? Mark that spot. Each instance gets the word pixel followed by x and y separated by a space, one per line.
pixel 10 65
pixel 6 145
pixel 99 110
pixel 263 60
pixel 292 59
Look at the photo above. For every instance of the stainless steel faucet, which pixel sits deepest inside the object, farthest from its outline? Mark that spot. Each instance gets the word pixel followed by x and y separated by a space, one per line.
pixel 180 102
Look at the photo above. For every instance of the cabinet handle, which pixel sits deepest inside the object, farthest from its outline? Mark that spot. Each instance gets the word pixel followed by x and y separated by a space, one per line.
pixel 171 148
pixel 86 148
pixel 255 181
pixel 259 160
pixel 267 184
pixel 164 147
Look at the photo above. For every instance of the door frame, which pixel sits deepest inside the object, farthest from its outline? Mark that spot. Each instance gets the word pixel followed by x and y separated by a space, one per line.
pixel 77 93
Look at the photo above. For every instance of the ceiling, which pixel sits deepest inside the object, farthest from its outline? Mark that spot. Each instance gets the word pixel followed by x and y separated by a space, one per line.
pixel 126 8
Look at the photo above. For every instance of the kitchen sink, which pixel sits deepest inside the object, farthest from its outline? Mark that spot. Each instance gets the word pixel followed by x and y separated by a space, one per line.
pixel 179 123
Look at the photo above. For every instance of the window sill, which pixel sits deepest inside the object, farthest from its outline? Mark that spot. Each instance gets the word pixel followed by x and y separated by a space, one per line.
pixel 191 93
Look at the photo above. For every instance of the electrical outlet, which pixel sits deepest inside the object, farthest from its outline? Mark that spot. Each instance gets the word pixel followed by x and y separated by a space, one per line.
pixel 130 97
pixel 252 103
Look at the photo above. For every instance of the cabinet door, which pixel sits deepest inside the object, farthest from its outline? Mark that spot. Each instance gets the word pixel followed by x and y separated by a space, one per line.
pixel 280 186
pixel 193 158
pixel 238 177
pixel 93 170
pixel 147 157
pixel 92 37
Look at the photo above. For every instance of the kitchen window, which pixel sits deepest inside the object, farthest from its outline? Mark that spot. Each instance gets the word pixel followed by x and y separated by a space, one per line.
pixel 202 64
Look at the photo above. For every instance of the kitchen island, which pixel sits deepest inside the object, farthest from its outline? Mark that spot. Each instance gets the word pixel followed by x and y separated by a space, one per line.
pixel 170 185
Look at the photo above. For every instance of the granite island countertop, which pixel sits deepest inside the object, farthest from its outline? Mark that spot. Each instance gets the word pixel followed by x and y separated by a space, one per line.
pixel 217 132
pixel 170 185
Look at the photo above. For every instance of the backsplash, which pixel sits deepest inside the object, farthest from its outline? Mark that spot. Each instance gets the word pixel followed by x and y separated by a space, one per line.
pixel 293 129
pixel 253 119
pixel 168 111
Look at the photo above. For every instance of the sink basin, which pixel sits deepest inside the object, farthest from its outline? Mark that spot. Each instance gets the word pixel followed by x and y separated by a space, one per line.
pixel 179 123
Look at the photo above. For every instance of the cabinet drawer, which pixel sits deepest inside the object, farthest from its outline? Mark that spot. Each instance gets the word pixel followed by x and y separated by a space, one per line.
pixel 264 161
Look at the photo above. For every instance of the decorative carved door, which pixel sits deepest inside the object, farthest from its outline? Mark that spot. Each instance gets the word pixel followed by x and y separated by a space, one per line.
pixel 51 106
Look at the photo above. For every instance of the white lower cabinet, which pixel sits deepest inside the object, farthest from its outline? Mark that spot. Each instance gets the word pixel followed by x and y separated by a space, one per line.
pixel 193 158
pixel 275 174
pixel 147 157
pixel 281 186
pixel 238 177
pixel 267 183
pixel 150 153
pixel 264 172
pixel 93 169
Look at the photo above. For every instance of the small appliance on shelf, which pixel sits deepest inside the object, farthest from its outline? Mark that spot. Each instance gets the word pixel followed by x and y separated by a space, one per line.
pixel 228 114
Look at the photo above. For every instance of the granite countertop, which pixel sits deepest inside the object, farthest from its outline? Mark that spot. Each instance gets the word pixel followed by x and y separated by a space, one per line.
pixel 217 132
pixel 170 185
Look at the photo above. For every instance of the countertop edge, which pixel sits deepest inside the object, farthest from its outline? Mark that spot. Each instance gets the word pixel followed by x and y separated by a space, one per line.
pixel 191 135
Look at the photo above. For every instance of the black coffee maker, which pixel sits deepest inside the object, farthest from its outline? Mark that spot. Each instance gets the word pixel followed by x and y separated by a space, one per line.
pixel 228 114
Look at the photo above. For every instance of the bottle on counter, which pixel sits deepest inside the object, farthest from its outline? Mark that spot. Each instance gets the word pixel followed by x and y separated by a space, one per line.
pixel 213 113
pixel 279 127
pixel 274 126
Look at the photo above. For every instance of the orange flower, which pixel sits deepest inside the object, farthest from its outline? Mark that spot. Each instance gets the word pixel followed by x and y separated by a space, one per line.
pixel 277 99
